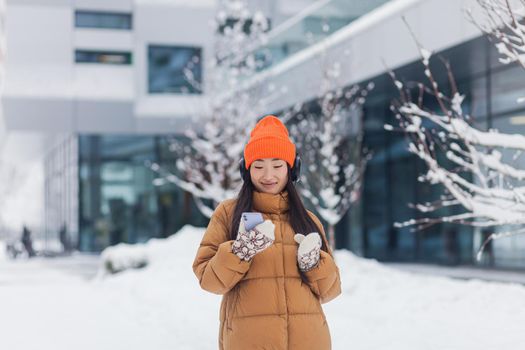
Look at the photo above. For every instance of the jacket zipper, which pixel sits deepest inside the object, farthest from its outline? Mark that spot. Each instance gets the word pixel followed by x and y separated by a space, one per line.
pixel 284 272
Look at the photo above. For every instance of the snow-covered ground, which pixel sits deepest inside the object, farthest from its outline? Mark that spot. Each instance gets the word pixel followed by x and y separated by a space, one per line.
pixel 3 255
pixel 48 306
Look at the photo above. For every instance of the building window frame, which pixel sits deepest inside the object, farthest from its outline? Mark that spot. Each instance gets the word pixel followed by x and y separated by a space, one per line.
pixel 103 57
pixel 90 19
pixel 159 62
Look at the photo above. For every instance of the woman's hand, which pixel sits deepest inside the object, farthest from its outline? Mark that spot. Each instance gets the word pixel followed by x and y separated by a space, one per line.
pixel 254 241
pixel 309 250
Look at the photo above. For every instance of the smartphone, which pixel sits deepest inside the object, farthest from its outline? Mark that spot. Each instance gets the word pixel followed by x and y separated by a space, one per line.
pixel 251 219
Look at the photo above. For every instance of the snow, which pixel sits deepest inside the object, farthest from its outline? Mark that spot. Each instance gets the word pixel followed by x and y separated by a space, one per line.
pixel 490 138
pixel 161 306
pixel 3 255
pixel 425 54
pixel 457 100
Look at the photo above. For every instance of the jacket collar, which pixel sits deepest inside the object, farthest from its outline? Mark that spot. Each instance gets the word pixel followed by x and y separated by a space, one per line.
pixel 270 203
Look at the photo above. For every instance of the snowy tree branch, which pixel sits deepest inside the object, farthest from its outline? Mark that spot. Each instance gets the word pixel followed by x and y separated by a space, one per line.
pixel 505 24
pixel 207 158
pixel 328 133
pixel 472 165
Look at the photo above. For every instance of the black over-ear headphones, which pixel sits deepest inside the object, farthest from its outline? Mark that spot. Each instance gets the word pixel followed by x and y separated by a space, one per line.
pixel 295 171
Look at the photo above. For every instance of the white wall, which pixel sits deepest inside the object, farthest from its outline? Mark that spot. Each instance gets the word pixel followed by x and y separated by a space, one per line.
pixel 107 5
pixel 184 26
pixel 39 55
pixel 37 98
pixel 47 91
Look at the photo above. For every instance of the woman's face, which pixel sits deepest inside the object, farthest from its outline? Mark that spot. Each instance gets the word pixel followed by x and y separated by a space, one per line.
pixel 269 175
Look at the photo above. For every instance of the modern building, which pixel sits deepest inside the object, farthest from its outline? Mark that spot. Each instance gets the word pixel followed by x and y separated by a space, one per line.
pixel 91 86
pixel 93 89
pixel 95 86
pixel 365 49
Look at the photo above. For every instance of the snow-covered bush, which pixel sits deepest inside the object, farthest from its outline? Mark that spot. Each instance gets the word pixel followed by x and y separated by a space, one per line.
pixel 122 257
pixel 156 253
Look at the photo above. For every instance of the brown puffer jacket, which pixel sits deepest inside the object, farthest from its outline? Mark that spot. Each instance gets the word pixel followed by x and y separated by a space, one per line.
pixel 265 303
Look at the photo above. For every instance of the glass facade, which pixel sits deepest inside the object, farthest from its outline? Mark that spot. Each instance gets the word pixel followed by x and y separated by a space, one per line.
pixel 509 251
pixel 61 190
pixel 312 25
pixel 166 69
pixel 103 20
pixel 118 201
pixel 391 184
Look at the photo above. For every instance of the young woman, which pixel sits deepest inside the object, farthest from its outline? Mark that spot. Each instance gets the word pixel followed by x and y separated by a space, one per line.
pixel 273 278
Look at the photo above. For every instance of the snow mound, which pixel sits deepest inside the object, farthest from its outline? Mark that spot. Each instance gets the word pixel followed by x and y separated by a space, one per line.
pixel 156 252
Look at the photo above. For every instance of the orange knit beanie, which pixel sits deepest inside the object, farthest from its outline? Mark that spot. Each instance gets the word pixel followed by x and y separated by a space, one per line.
pixel 269 139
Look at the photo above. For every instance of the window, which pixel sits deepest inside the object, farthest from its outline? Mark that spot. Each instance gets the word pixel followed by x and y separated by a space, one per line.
pixel 507 87
pixel 105 20
pixel 104 57
pixel 166 69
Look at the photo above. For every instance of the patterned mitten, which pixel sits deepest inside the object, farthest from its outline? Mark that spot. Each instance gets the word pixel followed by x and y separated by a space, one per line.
pixel 254 241
pixel 309 250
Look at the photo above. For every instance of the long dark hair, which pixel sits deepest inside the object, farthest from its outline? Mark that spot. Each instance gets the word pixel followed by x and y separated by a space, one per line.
pixel 299 219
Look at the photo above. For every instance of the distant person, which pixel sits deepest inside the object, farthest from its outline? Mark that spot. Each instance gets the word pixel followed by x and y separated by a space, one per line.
pixel 489 249
pixel 64 239
pixel 27 242
pixel 11 250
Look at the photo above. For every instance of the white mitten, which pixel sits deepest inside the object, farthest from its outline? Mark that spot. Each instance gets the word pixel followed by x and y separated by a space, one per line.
pixel 309 250
pixel 254 241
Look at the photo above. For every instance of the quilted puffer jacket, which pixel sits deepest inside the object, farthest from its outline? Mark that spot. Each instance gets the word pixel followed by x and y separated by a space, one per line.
pixel 266 305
